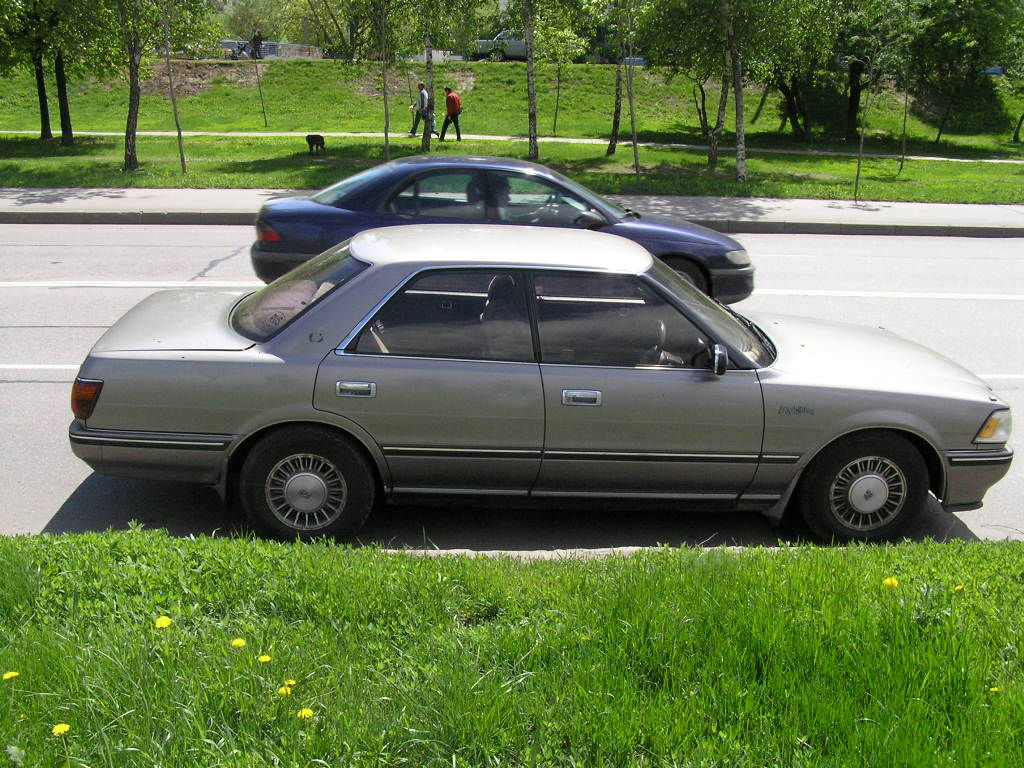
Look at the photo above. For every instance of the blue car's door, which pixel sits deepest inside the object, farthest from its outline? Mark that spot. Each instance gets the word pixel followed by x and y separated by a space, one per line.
pixel 446 195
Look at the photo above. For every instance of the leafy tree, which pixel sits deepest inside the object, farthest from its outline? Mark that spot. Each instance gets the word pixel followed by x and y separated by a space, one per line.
pixel 140 29
pixel 559 41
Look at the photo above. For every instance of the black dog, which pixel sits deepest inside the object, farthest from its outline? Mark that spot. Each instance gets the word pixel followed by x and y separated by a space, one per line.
pixel 315 141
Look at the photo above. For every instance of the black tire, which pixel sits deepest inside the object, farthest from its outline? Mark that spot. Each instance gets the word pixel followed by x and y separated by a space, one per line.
pixel 306 482
pixel 864 488
pixel 689 271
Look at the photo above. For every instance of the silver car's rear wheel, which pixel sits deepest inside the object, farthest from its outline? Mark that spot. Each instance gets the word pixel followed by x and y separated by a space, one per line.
pixel 306 491
pixel 306 481
pixel 865 487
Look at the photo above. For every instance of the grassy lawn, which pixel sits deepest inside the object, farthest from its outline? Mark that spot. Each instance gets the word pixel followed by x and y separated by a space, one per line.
pixel 801 657
pixel 280 162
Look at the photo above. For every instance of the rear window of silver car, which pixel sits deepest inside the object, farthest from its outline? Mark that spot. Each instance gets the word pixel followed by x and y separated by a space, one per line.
pixel 261 315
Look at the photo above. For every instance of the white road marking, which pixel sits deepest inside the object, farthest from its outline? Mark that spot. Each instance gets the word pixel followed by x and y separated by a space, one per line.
pixel 889 294
pixel 130 284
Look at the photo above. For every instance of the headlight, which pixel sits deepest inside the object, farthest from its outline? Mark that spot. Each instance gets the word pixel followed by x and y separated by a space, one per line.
pixel 739 257
pixel 996 428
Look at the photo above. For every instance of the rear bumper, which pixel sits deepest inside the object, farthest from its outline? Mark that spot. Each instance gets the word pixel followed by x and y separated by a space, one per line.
pixel 193 458
pixel 270 265
pixel 969 475
pixel 732 285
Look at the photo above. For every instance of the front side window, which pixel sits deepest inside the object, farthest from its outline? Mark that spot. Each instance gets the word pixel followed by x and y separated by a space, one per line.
pixel 522 199
pixel 262 314
pixel 446 195
pixel 465 314
pixel 616 320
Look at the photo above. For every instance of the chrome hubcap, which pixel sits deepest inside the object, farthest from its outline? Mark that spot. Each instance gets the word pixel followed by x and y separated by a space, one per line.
pixel 868 492
pixel 306 491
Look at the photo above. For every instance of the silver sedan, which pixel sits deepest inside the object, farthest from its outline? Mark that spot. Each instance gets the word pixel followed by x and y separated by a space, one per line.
pixel 520 362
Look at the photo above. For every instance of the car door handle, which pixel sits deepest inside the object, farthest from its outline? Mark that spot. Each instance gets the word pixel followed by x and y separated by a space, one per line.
pixel 355 389
pixel 581 397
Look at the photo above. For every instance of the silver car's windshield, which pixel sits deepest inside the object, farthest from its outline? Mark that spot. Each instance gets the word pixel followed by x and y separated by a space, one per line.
pixel 332 194
pixel 725 324
pixel 262 314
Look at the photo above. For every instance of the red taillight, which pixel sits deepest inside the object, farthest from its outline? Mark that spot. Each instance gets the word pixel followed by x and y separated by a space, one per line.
pixel 84 395
pixel 266 233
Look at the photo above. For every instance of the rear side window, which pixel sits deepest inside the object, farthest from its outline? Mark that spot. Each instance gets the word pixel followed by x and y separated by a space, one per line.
pixel 260 315
pixel 464 314
pixel 334 193
pixel 446 195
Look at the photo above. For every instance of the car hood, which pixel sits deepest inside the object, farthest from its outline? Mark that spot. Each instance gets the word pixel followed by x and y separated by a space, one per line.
pixel 193 319
pixel 833 354
pixel 655 227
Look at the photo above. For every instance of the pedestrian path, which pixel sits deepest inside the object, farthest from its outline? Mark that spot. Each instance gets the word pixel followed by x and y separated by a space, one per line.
pixel 558 140
pixel 69 205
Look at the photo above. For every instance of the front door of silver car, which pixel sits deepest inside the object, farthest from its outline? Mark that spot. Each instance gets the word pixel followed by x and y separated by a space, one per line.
pixel 444 378
pixel 633 407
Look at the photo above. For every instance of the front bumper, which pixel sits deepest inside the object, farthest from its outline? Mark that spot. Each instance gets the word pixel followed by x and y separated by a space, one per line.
pixel 270 265
pixel 192 458
pixel 970 473
pixel 733 284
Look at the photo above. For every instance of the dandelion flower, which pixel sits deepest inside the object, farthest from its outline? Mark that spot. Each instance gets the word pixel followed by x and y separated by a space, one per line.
pixel 304 713
pixel 10 675
pixel 238 642
pixel 890 583
pixel 958 588
pixel 163 622
pixel 60 729
pixel 284 690
pixel 289 682
pixel 263 659
pixel 995 689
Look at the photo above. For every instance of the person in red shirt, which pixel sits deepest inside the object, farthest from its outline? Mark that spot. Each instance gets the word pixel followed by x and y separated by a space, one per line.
pixel 453 105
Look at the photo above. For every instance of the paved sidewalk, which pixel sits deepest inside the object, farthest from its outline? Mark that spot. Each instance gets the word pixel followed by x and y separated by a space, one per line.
pixel 726 214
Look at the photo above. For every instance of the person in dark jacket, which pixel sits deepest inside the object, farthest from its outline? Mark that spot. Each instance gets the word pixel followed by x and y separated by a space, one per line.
pixel 256 47
pixel 453 108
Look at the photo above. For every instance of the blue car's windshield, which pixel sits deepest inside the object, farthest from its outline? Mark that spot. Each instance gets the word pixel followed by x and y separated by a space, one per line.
pixel 588 194
pixel 332 194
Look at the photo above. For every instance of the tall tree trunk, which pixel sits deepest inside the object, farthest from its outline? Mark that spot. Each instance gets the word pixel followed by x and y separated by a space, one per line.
pixel 1016 131
pixel 715 134
pixel 384 76
pixel 741 129
pixel 792 111
pixel 613 142
pixel 131 155
pixel 702 108
pixel 44 107
pixel 67 136
pixel 801 107
pixel 170 85
pixel 903 135
pixel 853 101
pixel 945 115
pixel 558 96
pixel 531 79
pixel 428 119
pixel 632 110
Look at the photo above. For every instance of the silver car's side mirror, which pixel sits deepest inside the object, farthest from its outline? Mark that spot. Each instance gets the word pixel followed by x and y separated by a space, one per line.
pixel 719 359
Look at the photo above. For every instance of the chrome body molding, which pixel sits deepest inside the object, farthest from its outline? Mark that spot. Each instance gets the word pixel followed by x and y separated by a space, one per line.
pixel 115 438
pixel 974 458
pixel 522 453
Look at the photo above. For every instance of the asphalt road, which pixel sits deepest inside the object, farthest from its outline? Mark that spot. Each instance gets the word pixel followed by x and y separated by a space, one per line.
pixel 62 286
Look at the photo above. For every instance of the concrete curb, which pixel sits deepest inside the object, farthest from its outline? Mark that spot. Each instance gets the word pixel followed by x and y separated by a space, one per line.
pixel 730 226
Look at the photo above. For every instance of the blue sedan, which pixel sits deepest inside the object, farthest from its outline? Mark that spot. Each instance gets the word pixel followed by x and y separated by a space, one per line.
pixel 474 190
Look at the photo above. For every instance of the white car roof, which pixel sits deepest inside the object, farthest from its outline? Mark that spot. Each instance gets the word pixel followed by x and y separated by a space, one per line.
pixel 501 245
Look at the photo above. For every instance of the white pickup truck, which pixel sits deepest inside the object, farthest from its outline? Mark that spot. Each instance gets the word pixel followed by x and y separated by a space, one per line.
pixel 505 45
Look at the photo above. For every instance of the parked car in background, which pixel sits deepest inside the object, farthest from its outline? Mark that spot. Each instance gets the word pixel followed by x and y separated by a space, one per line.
pixel 491 190
pixel 505 45
pixel 527 362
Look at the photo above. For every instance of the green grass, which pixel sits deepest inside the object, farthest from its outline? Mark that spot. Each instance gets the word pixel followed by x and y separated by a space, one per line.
pixel 338 96
pixel 671 658
pixel 278 162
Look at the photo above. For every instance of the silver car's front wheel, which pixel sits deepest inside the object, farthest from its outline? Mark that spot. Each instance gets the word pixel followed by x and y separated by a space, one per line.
pixel 306 481
pixel 865 487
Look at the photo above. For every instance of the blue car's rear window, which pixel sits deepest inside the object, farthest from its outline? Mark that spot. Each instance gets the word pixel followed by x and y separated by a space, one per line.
pixel 332 194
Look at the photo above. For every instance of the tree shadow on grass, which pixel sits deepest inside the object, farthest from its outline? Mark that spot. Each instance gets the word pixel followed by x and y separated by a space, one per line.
pixel 34 148
pixel 102 503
